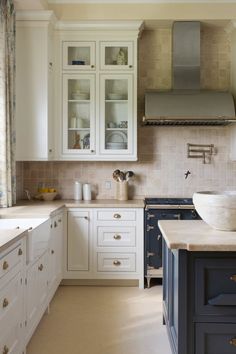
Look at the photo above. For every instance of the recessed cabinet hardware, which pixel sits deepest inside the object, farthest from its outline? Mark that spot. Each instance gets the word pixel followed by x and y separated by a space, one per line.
pixel 117 237
pixel 117 216
pixel 149 227
pixel 5 303
pixel 40 267
pixel 149 216
pixel 150 254
pixel 204 152
pixel 5 350
pixel 233 342
pixel 5 265
pixel 233 277
pixel 117 263
pixel 20 252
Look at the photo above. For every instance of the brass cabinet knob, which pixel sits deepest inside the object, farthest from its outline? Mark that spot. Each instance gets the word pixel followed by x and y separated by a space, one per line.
pixel 117 237
pixel 5 303
pixel 130 66
pixel 86 218
pixel 117 216
pixel 233 277
pixel 233 342
pixel 59 220
pixel 52 251
pixel 55 224
pixel 40 267
pixel 92 66
pixel 51 226
pixel 92 151
pixel 30 228
pixel 5 265
pixel 20 252
pixel 117 263
pixel 5 350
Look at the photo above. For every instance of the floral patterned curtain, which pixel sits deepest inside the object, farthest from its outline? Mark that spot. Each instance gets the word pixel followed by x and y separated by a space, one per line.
pixel 7 104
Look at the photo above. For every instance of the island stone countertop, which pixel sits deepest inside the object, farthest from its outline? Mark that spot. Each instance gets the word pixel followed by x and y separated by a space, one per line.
pixel 9 236
pixel 196 235
pixel 33 208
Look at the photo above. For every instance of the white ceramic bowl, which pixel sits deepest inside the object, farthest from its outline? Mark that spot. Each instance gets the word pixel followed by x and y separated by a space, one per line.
pixel 217 208
pixel 48 196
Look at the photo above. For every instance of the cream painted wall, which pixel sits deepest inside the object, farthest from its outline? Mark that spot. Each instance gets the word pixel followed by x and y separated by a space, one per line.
pixel 145 11
pixel 31 4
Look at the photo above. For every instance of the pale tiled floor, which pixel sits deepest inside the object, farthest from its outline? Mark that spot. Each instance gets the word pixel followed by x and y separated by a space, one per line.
pixel 102 320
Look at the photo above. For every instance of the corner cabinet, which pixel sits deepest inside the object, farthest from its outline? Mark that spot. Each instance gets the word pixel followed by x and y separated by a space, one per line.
pixel 96 80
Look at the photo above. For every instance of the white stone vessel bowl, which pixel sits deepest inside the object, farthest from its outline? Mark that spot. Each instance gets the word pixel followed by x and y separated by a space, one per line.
pixel 217 208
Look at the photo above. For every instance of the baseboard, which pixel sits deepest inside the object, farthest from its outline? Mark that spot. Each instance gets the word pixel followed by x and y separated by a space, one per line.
pixel 100 282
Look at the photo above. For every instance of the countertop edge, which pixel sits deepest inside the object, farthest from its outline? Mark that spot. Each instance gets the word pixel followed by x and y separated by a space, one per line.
pixel 14 239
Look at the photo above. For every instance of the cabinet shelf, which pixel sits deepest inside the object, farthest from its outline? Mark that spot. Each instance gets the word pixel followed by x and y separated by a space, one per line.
pixel 79 101
pixel 119 129
pixel 76 129
pixel 116 101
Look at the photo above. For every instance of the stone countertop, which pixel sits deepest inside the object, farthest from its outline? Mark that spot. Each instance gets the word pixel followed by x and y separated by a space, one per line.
pixel 196 235
pixel 7 237
pixel 26 208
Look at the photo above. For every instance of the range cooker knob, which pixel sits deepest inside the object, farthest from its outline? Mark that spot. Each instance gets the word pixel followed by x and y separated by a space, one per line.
pixel 194 214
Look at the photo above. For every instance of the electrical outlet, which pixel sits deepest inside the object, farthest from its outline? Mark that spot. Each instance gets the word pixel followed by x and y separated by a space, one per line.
pixel 107 184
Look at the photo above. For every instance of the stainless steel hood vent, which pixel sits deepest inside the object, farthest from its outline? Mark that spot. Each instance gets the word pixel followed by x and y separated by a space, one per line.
pixel 186 104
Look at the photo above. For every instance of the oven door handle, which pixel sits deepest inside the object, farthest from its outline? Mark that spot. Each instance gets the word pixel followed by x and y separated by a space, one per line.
pixel 161 206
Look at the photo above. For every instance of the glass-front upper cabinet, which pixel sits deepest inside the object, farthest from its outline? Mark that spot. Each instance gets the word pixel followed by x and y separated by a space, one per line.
pixel 116 56
pixel 116 114
pixel 79 55
pixel 79 114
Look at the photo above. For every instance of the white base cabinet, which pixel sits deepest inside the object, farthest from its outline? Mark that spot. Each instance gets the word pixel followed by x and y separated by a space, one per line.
pixel 104 244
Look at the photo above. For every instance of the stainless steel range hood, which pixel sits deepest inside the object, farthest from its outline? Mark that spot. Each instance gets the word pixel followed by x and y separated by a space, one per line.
pixel 186 104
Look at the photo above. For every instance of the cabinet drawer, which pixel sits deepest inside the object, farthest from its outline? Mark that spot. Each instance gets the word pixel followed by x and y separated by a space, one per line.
pixel 10 338
pixel 215 286
pixel 10 298
pixel 116 236
pixel 117 215
pixel 217 338
pixel 10 259
pixel 116 262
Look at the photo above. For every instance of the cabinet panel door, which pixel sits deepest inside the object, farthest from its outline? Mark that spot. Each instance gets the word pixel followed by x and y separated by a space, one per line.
pixel 215 338
pixel 32 296
pixel 78 241
pixel 79 55
pixel 116 55
pixel 43 280
pixel 79 114
pixel 116 114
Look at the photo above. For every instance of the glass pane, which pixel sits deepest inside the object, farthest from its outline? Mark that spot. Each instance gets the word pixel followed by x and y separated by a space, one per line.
pixel 116 114
pixel 116 55
pixel 79 114
pixel 78 55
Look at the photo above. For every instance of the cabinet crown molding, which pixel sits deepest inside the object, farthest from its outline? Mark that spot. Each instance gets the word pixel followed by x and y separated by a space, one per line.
pixel 44 15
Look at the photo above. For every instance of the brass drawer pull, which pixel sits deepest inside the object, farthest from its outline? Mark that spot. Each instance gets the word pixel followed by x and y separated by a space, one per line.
pixel 117 263
pixel 5 350
pixel 52 251
pixel 59 220
pixel 117 237
pixel 55 224
pixel 5 303
pixel 117 216
pixel 30 228
pixel 40 267
pixel 233 277
pixel 5 265
pixel 20 252
pixel 233 342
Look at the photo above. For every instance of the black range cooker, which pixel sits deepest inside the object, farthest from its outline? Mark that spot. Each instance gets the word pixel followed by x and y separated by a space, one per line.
pixel 161 209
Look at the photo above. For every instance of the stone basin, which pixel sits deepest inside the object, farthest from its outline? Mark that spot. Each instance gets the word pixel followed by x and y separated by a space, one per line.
pixel 217 208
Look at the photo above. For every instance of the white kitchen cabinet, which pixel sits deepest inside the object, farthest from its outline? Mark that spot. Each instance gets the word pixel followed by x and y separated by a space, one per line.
pixel 55 254
pixel 79 114
pixel 12 262
pixel 36 293
pixel 78 241
pixel 104 244
pixel 34 86
pixel 98 118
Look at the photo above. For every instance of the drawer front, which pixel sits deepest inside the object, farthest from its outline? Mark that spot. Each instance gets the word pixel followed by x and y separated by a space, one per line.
pixel 116 262
pixel 10 300
pixel 215 338
pixel 215 286
pixel 116 215
pixel 10 339
pixel 118 236
pixel 10 259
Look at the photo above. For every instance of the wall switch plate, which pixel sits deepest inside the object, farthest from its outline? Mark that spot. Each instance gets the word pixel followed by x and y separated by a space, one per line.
pixel 107 184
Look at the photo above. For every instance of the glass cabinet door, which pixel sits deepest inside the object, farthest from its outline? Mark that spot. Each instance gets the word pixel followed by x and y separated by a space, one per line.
pixel 116 114
pixel 79 55
pixel 116 55
pixel 78 114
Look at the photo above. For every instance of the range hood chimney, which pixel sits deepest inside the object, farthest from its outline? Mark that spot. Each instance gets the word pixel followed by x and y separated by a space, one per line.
pixel 186 104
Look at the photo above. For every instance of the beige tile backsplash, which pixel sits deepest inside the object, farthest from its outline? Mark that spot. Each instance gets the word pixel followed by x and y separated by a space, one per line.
pixel 162 151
